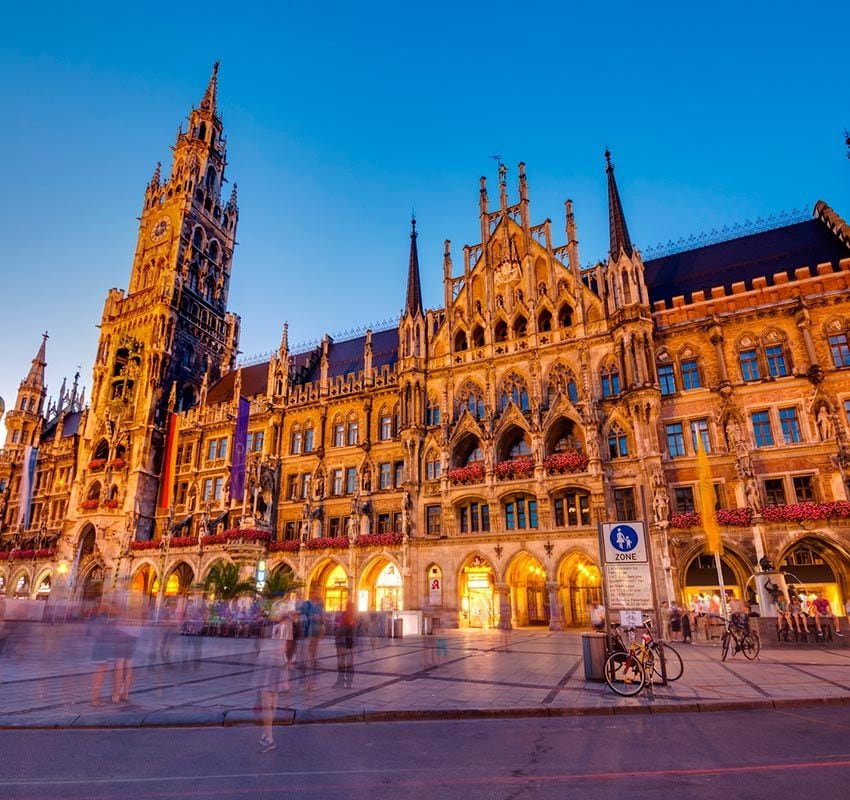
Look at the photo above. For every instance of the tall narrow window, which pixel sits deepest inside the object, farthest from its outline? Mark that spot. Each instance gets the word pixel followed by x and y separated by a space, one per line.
pixel 296 441
pixel 804 488
pixel 624 502
pixel 353 433
pixel 618 443
pixel 690 374
pixel 339 434
pixel 699 430
pixel 350 480
pixel 749 365
pixel 610 382
pixel 675 439
pixel 667 378
pixel 790 425
pixel 776 365
pixel 308 439
pixel 761 429
pixel 840 349
pixel 774 492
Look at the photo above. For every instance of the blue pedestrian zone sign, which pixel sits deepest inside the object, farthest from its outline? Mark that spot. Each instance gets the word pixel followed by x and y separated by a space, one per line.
pixel 624 542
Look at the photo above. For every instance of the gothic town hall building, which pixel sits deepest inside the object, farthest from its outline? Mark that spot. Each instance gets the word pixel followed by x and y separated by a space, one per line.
pixel 459 463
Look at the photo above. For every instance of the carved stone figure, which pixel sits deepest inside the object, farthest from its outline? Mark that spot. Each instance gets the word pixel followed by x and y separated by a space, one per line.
pixel 825 427
pixel 751 490
pixel 366 479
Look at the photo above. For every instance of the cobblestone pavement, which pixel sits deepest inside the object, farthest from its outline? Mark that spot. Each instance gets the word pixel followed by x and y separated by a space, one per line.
pixel 46 676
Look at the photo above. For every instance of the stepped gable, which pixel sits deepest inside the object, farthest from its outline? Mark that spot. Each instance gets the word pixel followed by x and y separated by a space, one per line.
pixel 70 427
pixel 803 244
pixel 344 358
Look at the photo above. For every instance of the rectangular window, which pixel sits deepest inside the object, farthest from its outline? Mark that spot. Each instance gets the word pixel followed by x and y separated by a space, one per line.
pixel 432 520
pixel 572 509
pixel 397 521
pixel 308 440
pixel 618 444
pixel 761 429
pixel 775 356
pixel 339 434
pixel 292 487
pixel 398 474
pixel 749 365
pixel 187 454
pixel 683 499
pixel 385 428
pixel 384 523
pixel 212 449
pixel 690 374
pixel 522 513
pixel 624 501
pixel 667 378
pixel 182 491
pixel 718 495
pixel 350 480
pixel 385 476
pixel 774 492
pixel 297 440
pixel 840 349
pixel 699 429
pixel 432 415
pixel 353 433
pixel 804 488
pixel 208 489
pixel 790 425
pixel 222 447
pixel 218 484
pixel 432 470
pixel 509 516
pixel 333 527
pixel 306 478
pixel 336 481
pixel 485 517
pixel 675 440
pixel 289 531
pixel 255 441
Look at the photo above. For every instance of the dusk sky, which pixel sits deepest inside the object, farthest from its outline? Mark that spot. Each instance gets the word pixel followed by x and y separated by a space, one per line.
pixel 341 118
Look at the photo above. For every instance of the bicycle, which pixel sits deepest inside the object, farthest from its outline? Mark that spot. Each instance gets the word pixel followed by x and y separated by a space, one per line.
pixel 746 642
pixel 673 663
pixel 626 669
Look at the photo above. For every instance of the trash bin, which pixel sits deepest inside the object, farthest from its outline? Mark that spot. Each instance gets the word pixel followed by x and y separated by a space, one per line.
pixel 427 625
pixel 593 655
pixel 398 628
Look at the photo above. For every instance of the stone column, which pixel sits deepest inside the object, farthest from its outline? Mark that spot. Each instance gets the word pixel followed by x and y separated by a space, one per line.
pixel 716 338
pixel 503 593
pixel 556 612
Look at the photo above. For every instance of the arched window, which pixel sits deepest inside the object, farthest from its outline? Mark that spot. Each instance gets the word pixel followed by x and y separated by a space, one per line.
pixel 748 358
pixel 478 336
pixel 296 440
pixel 353 433
pixel 433 466
pixel 618 442
pixel 198 240
pixel 468 451
pixel 202 131
pixel 520 326
pixel 212 252
pixel 515 443
pixel 211 177
pixel 432 412
pixel 544 321
pixel 338 432
pixel 308 437
pixel 514 389
pixel 460 341
pixel 520 512
pixel 500 332
pixel 565 316
pixel 562 381
pixel 571 509
pixel 563 436
pixel 610 377
pixel 385 424
pixel 102 450
pixel 472 398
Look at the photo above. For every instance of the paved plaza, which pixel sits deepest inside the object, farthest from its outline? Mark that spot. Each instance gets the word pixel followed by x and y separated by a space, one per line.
pixel 46 676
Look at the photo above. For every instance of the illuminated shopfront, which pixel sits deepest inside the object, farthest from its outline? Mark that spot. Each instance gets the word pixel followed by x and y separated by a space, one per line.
pixel 477 600
pixel 332 584
pixel 529 596
pixel 814 566
pixel 581 585
pixel 44 585
pixel 701 584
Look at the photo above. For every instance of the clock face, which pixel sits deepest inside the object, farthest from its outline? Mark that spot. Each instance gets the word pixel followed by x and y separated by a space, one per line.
pixel 160 229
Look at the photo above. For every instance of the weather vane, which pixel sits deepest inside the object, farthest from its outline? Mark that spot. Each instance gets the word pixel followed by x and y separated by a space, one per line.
pixel 503 170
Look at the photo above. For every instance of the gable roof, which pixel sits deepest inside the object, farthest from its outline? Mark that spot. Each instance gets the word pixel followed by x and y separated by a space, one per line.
pixel 70 428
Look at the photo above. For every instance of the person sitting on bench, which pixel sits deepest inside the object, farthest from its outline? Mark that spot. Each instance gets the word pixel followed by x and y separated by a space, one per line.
pixel 783 613
pixel 822 611
pixel 797 615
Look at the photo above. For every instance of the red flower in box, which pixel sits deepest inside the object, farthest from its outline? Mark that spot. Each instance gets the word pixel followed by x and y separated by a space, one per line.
pixel 513 468
pixel 327 542
pixel 97 464
pixel 797 512
pixel 45 552
pixel 213 538
pixel 22 554
pixel 150 544
pixel 246 535
pixel 568 461
pixel 4 555
pixel 379 539
pixel 88 505
pixel 471 473
pixel 285 546
pixel 118 463
pixel 685 519
pixel 184 541
pixel 110 503
pixel 739 517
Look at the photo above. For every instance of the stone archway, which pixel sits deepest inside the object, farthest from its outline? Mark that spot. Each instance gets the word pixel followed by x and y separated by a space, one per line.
pixel 817 565
pixel 21 586
pixel 91 586
pixel 477 589
pixel 580 585
pixel 43 585
pixel 526 579
pixel 330 582
pixel 700 582
pixel 381 587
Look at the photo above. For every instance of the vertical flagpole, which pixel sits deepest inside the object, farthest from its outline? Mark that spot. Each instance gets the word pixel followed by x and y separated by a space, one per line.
pixel 709 520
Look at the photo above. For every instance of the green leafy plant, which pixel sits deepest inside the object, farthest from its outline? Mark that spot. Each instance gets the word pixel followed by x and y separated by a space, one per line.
pixel 223 577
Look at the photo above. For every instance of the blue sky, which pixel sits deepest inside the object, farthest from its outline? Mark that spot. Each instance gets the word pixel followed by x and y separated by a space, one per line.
pixel 340 118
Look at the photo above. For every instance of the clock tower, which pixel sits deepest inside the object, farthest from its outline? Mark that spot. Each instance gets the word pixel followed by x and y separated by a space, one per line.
pixel 170 331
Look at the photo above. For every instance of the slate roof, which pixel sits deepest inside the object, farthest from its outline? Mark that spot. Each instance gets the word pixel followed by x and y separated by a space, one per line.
pixel 344 358
pixel 803 244
pixel 70 428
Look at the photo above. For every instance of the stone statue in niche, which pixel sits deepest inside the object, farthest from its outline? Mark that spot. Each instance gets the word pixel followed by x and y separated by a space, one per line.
pixel 824 421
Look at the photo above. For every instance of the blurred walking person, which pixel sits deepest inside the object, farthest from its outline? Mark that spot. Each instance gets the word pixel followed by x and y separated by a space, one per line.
pixel 270 679
pixel 345 647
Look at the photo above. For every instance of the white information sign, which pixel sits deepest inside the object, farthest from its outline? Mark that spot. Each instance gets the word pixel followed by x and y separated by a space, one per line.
pixel 629 586
pixel 631 619
pixel 624 542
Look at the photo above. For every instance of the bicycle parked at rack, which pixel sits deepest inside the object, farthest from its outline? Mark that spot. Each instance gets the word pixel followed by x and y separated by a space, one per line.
pixel 673 663
pixel 626 669
pixel 745 641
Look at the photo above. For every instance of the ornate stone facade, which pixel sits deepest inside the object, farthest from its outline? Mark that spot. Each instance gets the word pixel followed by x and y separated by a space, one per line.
pixel 460 462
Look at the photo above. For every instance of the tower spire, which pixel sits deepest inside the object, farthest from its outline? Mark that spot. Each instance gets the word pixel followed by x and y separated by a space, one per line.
pixel 210 96
pixel 413 306
pixel 616 219
pixel 35 377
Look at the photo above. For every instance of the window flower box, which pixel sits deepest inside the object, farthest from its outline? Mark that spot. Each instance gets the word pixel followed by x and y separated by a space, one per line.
pixel 331 542
pixel 183 541
pixel 471 473
pixel 89 505
pixel 798 512
pixel 5 555
pixel 379 540
pixel 151 544
pixel 21 555
pixel 246 535
pixel 735 517
pixel 285 546
pixel 97 464
pixel 568 461
pixel 45 552
pixel 110 503
pixel 213 538
pixel 685 519
pixel 515 468
pixel 118 463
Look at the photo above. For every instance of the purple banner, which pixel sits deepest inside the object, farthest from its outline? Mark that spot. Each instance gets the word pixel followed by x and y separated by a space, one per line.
pixel 240 452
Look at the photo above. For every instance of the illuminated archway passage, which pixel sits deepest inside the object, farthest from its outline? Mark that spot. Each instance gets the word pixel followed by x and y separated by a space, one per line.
pixel 816 566
pixel 381 587
pixel 477 594
pixel 331 584
pixel 581 585
pixel 702 586
pixel 529 596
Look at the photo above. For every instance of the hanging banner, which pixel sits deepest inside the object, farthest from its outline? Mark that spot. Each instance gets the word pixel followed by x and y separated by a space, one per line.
pixel 240 452
pixel 169 461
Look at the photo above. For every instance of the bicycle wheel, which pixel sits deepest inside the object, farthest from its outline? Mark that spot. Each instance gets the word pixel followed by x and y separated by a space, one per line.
pixel 673 662
pixel 624 674
pixel 724 645
pixel 751 646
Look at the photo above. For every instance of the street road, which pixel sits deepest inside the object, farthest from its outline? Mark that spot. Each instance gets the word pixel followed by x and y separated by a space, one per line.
pixel 743 754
